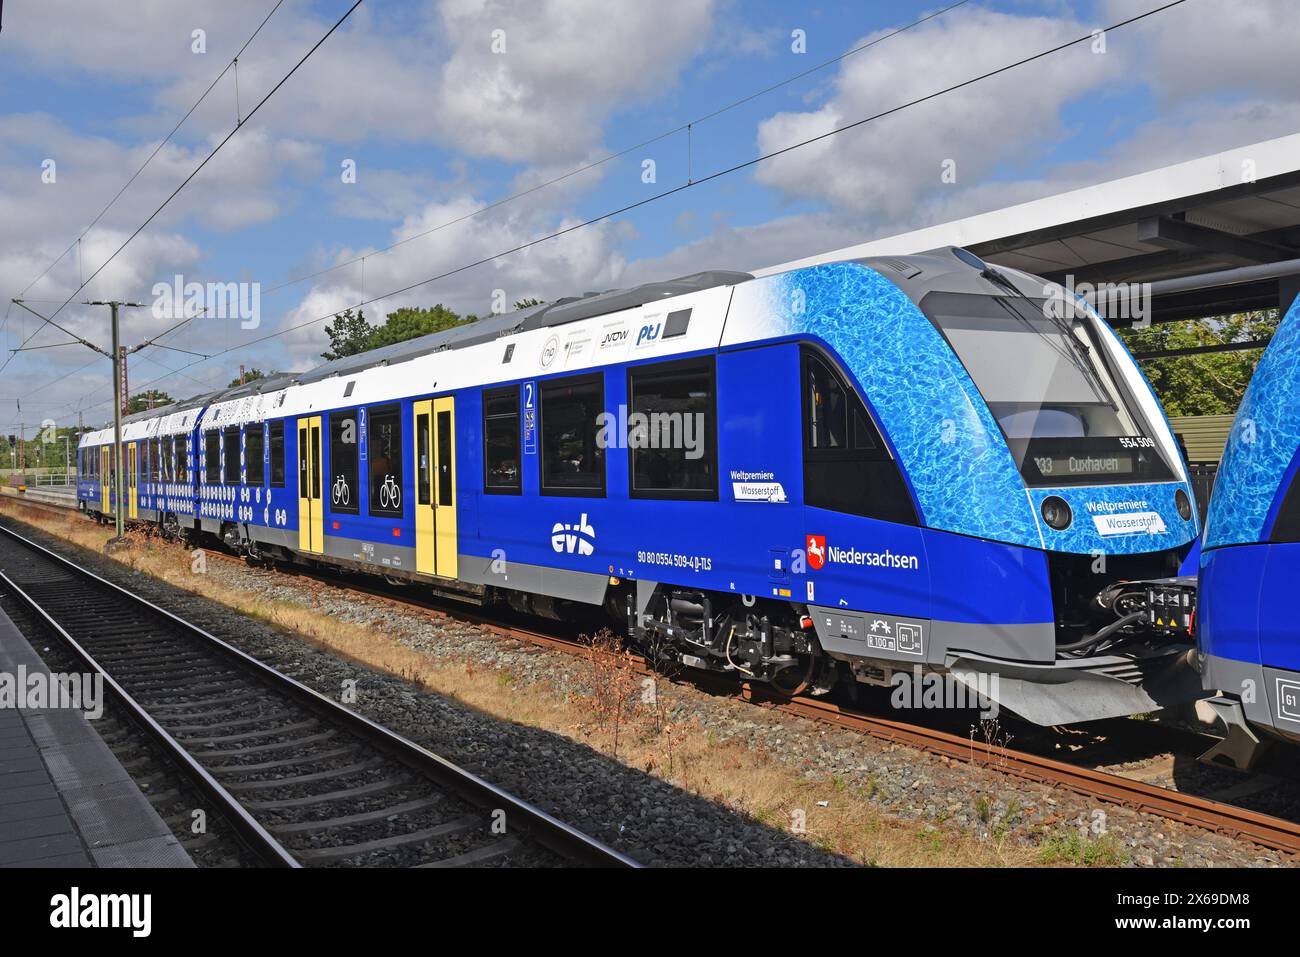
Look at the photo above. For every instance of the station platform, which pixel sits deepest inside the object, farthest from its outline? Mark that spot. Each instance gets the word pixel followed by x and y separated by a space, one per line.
pixel 65 800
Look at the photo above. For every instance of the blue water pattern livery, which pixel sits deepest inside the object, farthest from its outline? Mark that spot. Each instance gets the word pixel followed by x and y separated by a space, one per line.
pixel 1262 446
pixel 1118 519
pixel 950 449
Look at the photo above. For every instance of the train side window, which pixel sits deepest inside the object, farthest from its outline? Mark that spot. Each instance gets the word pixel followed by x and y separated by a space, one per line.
pixel 343 484
pixel 846 465
pixel 1286 527
pixel 230 452
pixel 277 454
pixel 384 450
pixel 212 457
pixel 422 462
pixel 672 429
pixel 573 462
pixel 303 490
pixel 254 455
pixel 501 462
pixel 182 458
pixel 155 467
pixel 444 458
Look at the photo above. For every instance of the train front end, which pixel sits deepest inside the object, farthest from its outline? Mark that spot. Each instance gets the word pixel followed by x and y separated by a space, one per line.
pixel 1247 632
pixel 1052 505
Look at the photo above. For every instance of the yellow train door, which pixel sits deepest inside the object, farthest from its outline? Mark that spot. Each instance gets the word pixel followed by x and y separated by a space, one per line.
pixel 444 449
pixel 132 479
pixel 104 479
pixel 311 518
pixel 422 448
pixel 434 446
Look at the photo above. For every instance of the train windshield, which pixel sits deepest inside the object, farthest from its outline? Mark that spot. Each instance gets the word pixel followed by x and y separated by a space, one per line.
pixel 1065 413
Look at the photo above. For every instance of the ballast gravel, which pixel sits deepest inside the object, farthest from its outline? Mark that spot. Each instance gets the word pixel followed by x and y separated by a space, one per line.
pixel 635 811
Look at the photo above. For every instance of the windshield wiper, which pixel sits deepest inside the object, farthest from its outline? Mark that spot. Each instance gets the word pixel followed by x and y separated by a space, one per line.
pixel 1081 362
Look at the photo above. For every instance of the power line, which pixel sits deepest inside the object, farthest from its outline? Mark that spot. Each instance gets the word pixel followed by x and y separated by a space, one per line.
pixel 620 153
pixel 195 172
pixel 589 166
pixel 165 140
pixel 600 162
pixel 692 184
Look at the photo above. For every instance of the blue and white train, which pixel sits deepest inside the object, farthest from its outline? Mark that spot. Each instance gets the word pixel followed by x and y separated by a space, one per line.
pixel 1250 561
pixel 832 474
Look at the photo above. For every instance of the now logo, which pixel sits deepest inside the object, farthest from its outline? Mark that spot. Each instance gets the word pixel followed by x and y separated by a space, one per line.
pixel 577 538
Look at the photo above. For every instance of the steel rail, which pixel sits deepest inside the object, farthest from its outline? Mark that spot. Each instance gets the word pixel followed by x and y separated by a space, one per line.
pixel 548 830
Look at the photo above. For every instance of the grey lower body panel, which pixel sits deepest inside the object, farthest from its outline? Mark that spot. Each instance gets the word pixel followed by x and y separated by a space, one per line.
pixel 893 638
pixel 585 587
pixel 1269 697
pixel 1014 666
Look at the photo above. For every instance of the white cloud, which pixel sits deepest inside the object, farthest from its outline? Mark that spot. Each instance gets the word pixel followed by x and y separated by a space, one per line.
pixel 886 166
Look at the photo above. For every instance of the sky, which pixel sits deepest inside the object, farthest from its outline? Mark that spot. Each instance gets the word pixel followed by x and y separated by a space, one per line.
pixel 462 129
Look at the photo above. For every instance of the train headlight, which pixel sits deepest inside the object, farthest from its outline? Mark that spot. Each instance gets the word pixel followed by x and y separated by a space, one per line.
pixel 1056 513
pixel 1184 504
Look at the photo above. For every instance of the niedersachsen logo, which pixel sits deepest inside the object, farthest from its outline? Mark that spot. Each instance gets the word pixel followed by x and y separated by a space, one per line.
pixel 820 553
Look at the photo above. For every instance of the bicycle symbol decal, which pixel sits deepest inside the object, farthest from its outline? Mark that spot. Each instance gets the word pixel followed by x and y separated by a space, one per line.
pixel 341 494
pixel 390 493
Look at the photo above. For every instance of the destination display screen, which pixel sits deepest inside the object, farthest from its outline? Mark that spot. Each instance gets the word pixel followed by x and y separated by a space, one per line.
pixel 1092 461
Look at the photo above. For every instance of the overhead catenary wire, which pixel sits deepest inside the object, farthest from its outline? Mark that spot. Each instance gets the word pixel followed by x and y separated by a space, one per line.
pixel 589 166
pixel 215 150
pixel 76 243
pixel 671 191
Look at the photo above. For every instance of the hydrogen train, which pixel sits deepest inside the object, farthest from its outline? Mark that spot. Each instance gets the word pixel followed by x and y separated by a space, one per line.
pixel 919 464
pixel 1250 561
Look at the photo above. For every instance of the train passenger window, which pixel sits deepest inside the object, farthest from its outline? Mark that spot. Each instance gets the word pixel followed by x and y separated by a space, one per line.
pixel 212 457
pixel 846 465
pixel 672 429
pixel 445 496
pixel 277 454
pixel 154 469
pixel 573 461
pixel 501 471
pixel 384 449
pixel 254 457
pixel 422 463
pixel 182 458
pixel 343 483
pixel 230 453
pixel 1286 527
pixel 303 489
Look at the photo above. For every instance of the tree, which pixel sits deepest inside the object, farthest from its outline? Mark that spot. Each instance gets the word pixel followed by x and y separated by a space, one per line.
pixel 250 376
pixel 1211 384
pixel 149 399
pixel 350 333
pixel 530 301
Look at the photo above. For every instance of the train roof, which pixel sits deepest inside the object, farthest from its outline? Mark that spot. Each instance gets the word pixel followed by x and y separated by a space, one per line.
pixel 947 270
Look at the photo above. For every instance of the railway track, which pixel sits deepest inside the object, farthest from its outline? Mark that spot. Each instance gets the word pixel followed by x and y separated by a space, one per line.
pixel 1265 830
pixel 304 780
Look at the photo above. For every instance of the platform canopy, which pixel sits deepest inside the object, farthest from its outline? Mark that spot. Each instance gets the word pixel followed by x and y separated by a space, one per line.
pixel 1213 235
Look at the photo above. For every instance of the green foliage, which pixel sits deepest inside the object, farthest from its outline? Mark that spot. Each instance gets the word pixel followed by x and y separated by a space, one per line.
pixel 350 333
pixel 1202 384
pixel 250 376
pixel 149 399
